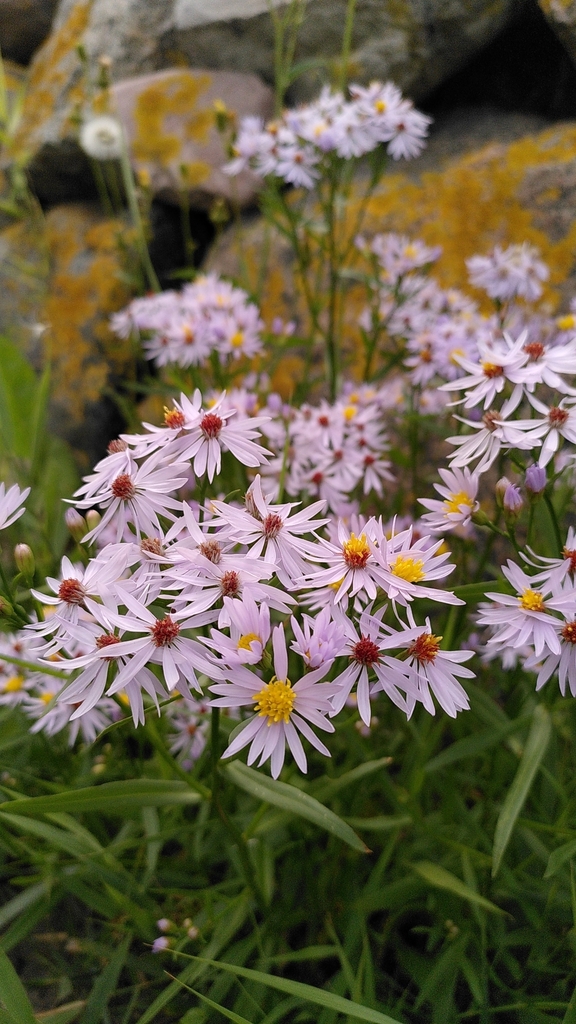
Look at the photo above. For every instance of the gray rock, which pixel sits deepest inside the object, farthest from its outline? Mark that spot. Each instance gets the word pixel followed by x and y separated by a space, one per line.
pixel 24 24
pixel 417 43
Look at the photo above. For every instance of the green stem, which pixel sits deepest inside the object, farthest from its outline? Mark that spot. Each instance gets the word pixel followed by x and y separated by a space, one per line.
pixel 158 744
pixel 34 666
pixel 347 44
pixel 128 180
pixel 554 521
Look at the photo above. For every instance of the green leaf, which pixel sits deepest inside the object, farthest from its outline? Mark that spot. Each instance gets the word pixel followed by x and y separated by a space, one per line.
pixel 530 761
pixel 293 801
pixel 475 591
pixel 383 823
pixel 24 899
pixel 559 857
pixel 442 879
pixel 471 746
pixel 328 787
pixel 13 994
pixel 229 1014
pixel 105 985
pixel 318 996
pixel 113 797
pixel 63 1014
pixel 570 1015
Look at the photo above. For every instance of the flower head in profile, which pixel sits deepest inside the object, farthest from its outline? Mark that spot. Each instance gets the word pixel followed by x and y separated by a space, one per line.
pixel 11 504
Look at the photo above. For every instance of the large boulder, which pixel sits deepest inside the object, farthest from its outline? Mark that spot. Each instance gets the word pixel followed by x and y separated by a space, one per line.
pixel 416 45
pixel 24 24
pixel 508 190
pixel 169 120
pixel 60 279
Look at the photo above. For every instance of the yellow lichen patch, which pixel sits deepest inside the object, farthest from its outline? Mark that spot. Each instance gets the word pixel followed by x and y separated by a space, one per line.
pixel 49 71
pixel 174 97
pixel 481 200
pixel 85 288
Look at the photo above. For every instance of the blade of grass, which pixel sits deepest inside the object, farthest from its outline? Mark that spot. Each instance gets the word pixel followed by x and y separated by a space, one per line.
pixel 442 879
pixel 308 993
pixel 13 994
pixel 532 755
pixel 293 801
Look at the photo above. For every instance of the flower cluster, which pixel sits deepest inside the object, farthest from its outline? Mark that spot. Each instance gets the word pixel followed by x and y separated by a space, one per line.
pixel 297 146
pixel 185 327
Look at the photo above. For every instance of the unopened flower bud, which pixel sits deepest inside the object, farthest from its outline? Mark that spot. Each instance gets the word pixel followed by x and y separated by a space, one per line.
pixel 536 480
pixel 24 558
pixel 225 118
pixel 161 943
pixel 164 924
pixel 193 932
pixel 76 524
pixel 512 501
pixel 480 518
pixel 92 518
pixel 500 490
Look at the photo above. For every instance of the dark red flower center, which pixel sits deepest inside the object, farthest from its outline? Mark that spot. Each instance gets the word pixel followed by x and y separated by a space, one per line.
pixel 211 550
pixel 230 584
pixel 117 446
pixel 71 592
pixel 164 631
pixel 272 525
pixel 365 651
pixel 569 632
pixel 123 488
pixel 557 416
pixel 535 349
pixel 211 424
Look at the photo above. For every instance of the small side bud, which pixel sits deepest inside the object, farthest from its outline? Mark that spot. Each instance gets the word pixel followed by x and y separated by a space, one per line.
pixel 512 502
pixel 92 518
pixel 535 480
pixel 6 608
pixel 500 490
pixel 76 524
pixel 480 518
pixel 24 558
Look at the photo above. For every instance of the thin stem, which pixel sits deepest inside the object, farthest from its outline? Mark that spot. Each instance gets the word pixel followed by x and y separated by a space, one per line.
pixel 554 520
pixel 158 744
pixel 132 198
pixel 35 667
pixel 347 44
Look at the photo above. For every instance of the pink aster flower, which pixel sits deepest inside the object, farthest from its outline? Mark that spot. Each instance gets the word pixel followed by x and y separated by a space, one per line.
pixel 528 616
pixel 283 711
pixel 10 502
pixel 459 493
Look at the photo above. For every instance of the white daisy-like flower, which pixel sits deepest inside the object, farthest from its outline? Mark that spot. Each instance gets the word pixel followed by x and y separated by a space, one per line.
pixel 459 493
pixel 527 617
pixel 11 501
pixel 282 710
pixel 102 138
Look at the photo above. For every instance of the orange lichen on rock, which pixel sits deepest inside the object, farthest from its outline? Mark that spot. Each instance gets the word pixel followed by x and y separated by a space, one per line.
pixel 175 97
pixel 50 72
pixel 85 288
pixel 494 196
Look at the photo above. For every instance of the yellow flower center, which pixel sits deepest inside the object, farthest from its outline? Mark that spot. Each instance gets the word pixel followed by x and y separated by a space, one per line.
pixel 350 412
pixel 532 601
pixel 425 648
pixel 124 698
pixel 237 340
pixel 356 551
pixel 492 370
pixel 408 568
pixel 380 106
pixel 245 641
pixel 452 504
pixel 13 684
pixel 566 323
pixel 275 700
pixel 336 585
pixel 410 251
pixel 46 697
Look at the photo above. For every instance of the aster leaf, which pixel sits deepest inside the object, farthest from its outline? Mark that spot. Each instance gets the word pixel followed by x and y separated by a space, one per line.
pixel 309 993
pixel 13 994
pixel 113 797
pixel 293 801
pixel 559 857
pixel 530 761
pixel 442 879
